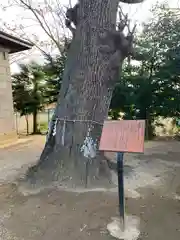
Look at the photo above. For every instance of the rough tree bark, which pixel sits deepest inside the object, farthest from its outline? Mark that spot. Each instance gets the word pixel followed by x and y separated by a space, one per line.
pixel 95 58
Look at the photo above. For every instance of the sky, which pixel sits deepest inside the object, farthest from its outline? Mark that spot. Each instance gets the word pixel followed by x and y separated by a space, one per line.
pixel 137 12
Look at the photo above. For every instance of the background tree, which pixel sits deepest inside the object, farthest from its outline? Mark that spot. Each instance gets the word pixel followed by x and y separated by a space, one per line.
pixel 28 91
pixel 53 69
pixel 21 96
pixel 151 87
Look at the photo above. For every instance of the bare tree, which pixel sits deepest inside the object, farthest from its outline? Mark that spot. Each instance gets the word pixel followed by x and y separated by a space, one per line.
pixel 95 59
pixel 39 22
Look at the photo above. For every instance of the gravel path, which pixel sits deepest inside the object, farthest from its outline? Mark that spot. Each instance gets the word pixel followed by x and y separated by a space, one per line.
pixel 152 183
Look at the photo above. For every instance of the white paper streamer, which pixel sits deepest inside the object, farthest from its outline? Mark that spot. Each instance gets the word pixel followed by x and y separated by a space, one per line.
pixel 54 129
pixel 63 132
pixel 89 147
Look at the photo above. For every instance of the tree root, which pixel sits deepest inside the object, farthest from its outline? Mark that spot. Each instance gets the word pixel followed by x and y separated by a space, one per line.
pixel 84 175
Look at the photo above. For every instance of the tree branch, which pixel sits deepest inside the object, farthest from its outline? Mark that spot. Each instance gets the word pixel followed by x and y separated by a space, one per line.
pixel 69 26
pixel 123 44
pixel 72 18
pixel 45 27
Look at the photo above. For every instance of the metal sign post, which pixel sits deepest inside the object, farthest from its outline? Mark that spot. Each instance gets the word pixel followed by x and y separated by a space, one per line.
pixel 120 171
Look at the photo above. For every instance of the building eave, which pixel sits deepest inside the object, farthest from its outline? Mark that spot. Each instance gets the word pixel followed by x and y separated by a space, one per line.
pixel 14 44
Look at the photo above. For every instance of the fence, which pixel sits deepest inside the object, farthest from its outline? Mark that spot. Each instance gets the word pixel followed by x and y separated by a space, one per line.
pixel 43 120
pixel 167 128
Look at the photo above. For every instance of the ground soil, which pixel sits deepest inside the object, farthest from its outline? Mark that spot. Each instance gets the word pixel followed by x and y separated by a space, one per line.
pixel 152 183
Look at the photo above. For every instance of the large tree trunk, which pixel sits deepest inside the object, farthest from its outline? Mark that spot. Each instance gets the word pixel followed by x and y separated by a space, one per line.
pixel 90 75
